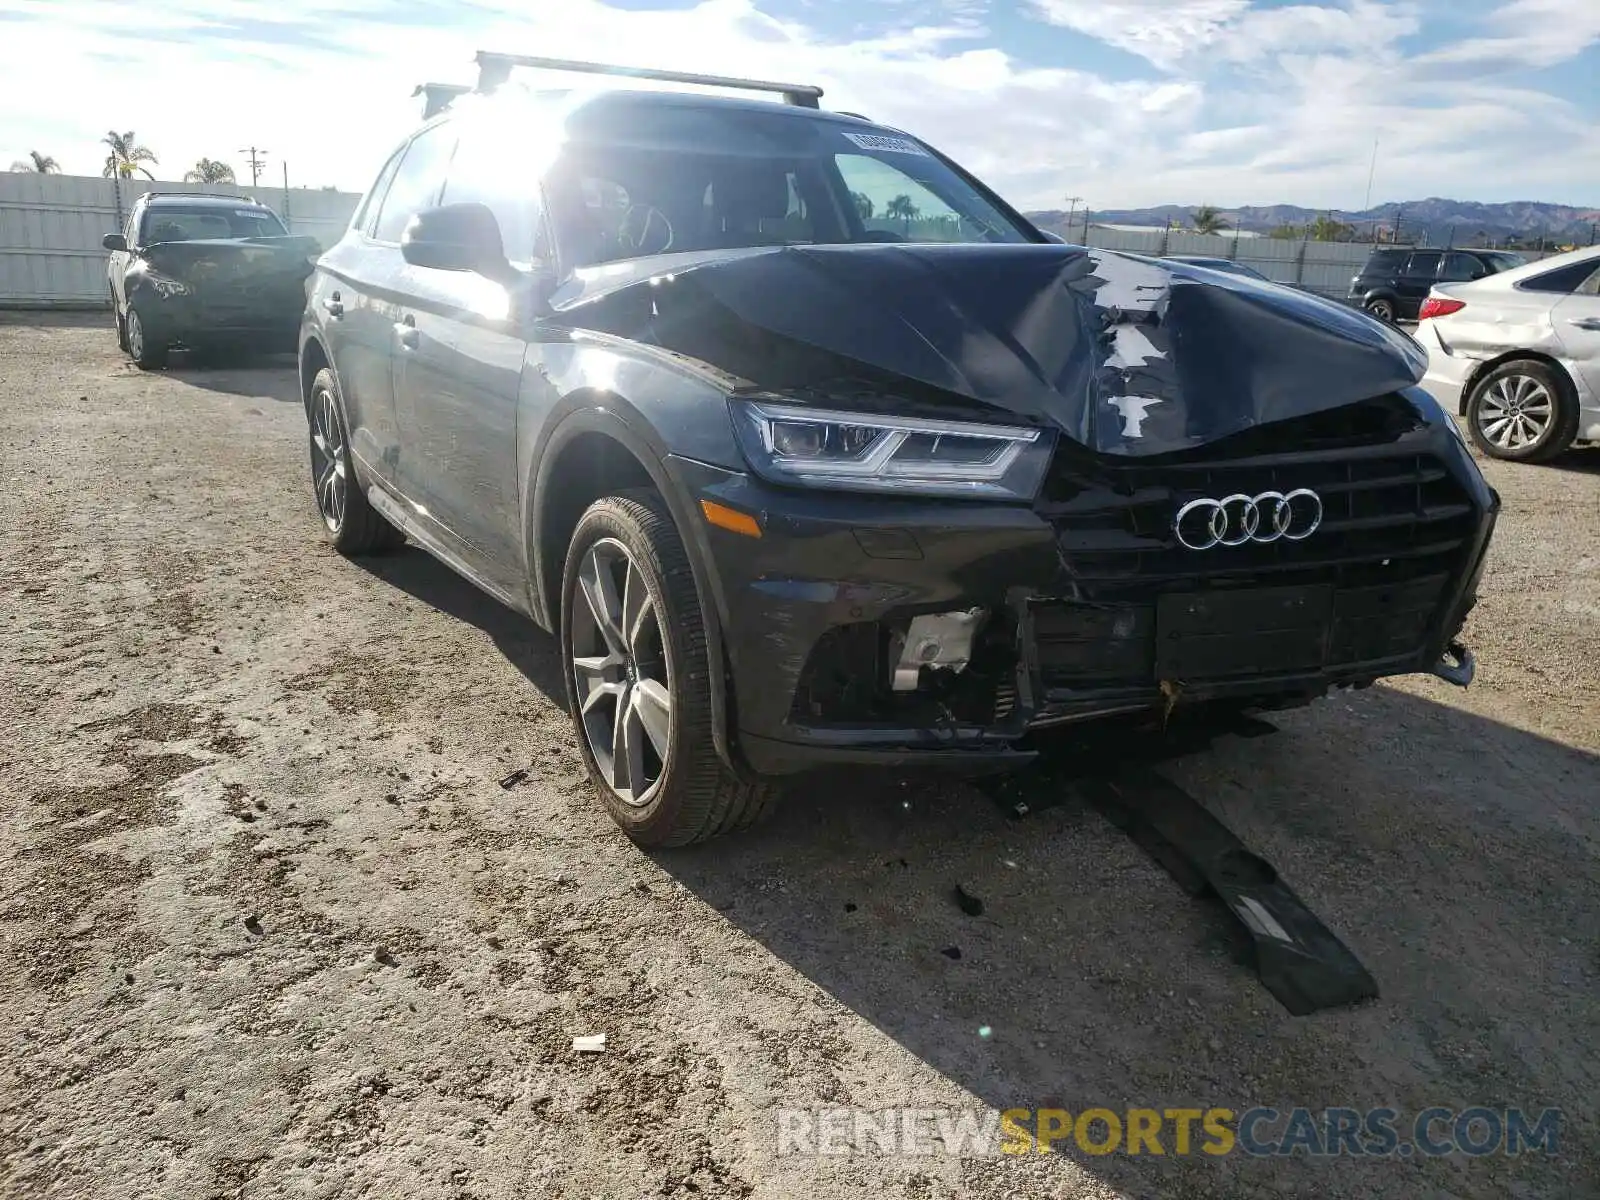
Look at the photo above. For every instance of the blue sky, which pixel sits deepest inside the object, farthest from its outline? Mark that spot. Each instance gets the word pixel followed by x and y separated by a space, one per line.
pixel 1125 102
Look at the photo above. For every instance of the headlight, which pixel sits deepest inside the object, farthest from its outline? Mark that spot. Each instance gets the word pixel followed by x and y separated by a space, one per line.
pixel 862 452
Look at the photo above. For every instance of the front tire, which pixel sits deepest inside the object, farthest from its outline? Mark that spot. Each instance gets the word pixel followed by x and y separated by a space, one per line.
pixel 638 679
pixel 1522 411
pixel 149 352
pixel 352 524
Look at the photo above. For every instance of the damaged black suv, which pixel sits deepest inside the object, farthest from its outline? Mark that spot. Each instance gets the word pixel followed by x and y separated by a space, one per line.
pixel 815 451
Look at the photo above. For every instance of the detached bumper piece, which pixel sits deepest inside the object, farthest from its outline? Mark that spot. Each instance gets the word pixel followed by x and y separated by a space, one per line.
pixel 1299 960
pixel 1457 666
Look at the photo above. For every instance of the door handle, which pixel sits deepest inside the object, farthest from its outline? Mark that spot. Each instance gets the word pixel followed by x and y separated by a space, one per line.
pixel 334 305
pixel 406 327
pixel 1592 323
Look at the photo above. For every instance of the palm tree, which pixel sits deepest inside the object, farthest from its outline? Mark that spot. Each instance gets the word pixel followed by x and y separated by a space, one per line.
pixel 126 156
pixel 209 170
pixel 38 164
pixel 1208 220
pixel 863 203
pixel 901 207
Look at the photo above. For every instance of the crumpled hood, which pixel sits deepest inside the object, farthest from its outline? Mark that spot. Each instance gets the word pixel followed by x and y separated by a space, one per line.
pixel 1126 355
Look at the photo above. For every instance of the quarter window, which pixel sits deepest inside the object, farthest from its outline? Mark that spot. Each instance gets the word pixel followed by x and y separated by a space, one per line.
pixel 1563 280
pixel 417 181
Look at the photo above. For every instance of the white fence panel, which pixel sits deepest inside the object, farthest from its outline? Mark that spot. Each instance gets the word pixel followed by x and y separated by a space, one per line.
pixel 51 226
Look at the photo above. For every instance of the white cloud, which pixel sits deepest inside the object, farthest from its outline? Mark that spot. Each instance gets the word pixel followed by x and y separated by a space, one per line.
pixel 1249 105
pixel 1163 31
pixel 1536 33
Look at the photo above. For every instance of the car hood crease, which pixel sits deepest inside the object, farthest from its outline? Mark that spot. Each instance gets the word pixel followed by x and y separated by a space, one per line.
pixel 1126 355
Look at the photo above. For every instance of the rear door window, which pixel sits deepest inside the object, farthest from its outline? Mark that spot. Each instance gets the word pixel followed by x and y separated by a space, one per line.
pixel 367 214
pixel 417 182
pixel 1423 264
pixel 1461 268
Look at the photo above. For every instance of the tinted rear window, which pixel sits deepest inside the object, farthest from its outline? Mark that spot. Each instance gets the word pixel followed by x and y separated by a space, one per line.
pixel 1386 262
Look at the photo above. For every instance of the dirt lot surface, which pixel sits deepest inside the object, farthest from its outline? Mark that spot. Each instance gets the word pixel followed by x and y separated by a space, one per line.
pixel 273 928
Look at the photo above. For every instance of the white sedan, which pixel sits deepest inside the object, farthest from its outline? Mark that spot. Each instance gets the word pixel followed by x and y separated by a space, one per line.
pixel 1518 355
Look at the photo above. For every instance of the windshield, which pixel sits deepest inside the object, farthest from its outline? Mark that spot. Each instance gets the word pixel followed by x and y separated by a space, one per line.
pixel 757 180
pixel 172 223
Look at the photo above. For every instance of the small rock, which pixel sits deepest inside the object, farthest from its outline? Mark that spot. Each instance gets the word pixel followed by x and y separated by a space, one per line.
pixel 511 780
pixel 953 953
pixel 381 954
pixel 967 902
pixel 494 942
pixel 253 924
pixel 848 907
pixel 1213 1044
pixel 594 1043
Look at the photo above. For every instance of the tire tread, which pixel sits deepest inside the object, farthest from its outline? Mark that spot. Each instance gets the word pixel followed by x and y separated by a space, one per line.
pixel 713 800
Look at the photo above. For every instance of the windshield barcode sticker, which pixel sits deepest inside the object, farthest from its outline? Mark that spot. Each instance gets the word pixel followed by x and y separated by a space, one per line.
pixel 894 145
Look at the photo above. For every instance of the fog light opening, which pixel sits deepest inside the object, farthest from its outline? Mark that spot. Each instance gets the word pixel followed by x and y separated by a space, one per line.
pixel 940 641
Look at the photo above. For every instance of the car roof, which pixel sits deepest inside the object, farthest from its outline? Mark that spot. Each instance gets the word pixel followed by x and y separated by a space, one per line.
pixel 200 199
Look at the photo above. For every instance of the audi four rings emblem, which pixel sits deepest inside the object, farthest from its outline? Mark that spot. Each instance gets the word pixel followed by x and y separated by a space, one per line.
pixel 1237 519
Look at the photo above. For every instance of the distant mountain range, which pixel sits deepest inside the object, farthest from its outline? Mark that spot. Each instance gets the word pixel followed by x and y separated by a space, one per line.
pixel 1435 220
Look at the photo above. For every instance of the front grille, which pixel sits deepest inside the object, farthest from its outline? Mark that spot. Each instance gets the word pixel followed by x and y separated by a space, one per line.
pixel 1395 530
pixel 1376 510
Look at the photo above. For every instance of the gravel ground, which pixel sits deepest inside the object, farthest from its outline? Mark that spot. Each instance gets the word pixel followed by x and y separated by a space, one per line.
pixel 274 929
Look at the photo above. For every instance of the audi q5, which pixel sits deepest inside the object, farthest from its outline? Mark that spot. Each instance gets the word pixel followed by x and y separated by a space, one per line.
pixel 811 450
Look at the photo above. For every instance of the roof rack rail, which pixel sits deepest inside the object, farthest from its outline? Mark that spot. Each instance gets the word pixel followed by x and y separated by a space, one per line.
pixel 494 69
pixel 438 96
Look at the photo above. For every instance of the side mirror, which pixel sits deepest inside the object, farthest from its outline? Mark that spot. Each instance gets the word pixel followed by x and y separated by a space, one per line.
pixel 456 237
pixel 114 241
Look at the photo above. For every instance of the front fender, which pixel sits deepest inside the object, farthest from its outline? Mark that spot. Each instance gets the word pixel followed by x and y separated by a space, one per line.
pixel 610 415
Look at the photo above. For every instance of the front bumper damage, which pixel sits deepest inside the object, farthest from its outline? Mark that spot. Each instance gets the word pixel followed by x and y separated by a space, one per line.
pixel 907 632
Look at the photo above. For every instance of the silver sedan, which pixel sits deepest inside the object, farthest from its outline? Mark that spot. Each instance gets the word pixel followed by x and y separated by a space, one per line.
pixel 1518 355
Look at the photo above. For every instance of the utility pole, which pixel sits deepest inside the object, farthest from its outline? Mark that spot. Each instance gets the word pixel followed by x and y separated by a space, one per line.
pixel 257 159
pixel 1395 236
pixel 1072 206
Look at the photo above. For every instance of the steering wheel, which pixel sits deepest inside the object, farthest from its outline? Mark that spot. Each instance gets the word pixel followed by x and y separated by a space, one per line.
pixel 644 230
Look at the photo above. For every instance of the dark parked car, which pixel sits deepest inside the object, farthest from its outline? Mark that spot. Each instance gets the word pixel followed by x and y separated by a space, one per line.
pixel 811 450
pixel 1396 280
pixel 202 272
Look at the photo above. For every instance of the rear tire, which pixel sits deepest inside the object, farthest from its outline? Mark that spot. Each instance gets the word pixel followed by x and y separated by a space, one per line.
pixel 1382 308
pixel 353 526
pixel 148 352
pixel 631 637
pixel 1523 411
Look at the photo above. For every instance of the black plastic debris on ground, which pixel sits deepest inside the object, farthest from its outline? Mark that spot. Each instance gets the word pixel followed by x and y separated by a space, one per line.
pixel 1299 960
pixel 1068 753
